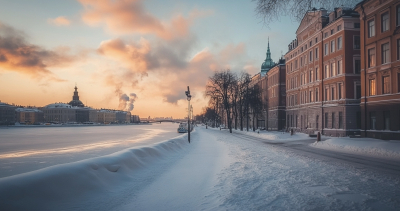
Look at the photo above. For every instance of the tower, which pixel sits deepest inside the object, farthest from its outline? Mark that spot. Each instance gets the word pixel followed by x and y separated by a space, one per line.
pixel 268 63
pixel 75 99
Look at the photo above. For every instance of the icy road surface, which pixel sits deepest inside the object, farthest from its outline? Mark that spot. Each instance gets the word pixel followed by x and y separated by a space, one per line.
pixel 217 171
pixel 24 149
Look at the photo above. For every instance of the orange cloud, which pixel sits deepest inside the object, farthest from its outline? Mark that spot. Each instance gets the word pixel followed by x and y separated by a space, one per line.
pixel 129 16
pixel 59 21
pixel 17 55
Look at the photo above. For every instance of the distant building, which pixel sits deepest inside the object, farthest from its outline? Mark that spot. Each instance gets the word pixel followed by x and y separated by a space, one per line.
pixel 7 114
pixel 29 115
pixel 106 116
pixel 135 119
pixel 380 68
pixel 59 113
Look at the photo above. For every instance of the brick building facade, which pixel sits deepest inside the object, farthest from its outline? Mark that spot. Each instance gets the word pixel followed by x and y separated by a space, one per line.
pixel 322 74
pixel 380 68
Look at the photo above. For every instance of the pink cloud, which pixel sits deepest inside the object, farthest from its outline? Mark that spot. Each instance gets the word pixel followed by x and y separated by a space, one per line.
pixel 59 21
pixel 129 16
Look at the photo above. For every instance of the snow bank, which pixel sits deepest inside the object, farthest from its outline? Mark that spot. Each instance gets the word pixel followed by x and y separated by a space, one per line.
pixel 364 146
pixel 45 188
pixel 275 135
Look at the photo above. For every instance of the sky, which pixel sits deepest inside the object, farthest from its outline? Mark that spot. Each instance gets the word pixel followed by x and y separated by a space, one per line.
pixel 120 52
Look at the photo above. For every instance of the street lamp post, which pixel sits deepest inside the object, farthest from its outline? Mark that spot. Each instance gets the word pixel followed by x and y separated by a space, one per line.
pixel 188 96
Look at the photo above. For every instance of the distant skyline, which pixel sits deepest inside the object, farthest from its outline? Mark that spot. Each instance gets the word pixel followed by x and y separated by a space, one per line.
pixel 114 49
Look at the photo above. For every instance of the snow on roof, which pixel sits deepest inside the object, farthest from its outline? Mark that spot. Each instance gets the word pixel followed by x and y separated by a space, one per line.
pixel 27 110
pixel 58 105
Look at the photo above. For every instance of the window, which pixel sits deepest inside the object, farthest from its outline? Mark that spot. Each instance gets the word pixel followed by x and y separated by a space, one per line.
pixel 311 96
pixel 310 43
pixel 398 15
pixel 326 71
pixel 310 76
pixel 326 49
pixel 339 43
pixel 385 21
pixel 356 42
pixel 398 82
pixel 371 57
pixel 339 67
pixel 357 66
pixel 316 74
pixel 385 53
pixel 295 64
pixel 371 28
pixel 326 94
pixel 372 121
pixel 326 35
pixel 316 95
pixel 386 120
pixel 357 25
pixel 372 88
pixel 333 120
pixel 340 120
pixel 340 91
pixel 333 69
pixel 332 93
pixel 339 27
pixel 386 85
pixel 358 91
pixel 398 49
pixel 311 57
pixel 316 52
pixel 326 120
pixel 332 46
pixel 332 31
pixel 316 39
pixel 301 61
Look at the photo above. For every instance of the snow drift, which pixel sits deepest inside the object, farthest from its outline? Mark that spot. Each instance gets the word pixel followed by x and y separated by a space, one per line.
pixel 46 188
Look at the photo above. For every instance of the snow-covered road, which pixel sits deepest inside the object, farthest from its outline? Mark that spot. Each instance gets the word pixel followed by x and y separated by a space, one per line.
pixel 217 171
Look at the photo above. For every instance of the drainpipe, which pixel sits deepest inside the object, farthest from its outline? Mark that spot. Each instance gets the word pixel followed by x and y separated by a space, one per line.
pixel 322 77
pixel 365 73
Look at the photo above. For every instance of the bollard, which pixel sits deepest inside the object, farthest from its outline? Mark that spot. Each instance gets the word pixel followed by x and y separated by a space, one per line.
pixel 291 131
pixel 318 136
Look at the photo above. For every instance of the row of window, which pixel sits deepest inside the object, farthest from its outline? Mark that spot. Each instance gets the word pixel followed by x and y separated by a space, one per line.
pixel 385 54
pixel 333 47
pixel 385 82
pixel 385 22
pixel 335 121
pixel 386 120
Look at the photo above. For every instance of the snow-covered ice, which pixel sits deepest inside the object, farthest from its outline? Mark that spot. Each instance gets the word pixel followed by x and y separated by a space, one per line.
pixel 216 171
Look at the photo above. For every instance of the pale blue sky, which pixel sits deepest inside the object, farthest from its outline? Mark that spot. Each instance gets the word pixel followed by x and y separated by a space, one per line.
pixel 225 23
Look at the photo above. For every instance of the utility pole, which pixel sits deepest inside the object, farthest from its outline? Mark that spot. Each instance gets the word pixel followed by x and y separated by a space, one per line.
pixel 188 96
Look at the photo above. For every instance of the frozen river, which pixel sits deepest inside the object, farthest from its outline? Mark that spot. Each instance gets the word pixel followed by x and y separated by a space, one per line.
pixel 25 149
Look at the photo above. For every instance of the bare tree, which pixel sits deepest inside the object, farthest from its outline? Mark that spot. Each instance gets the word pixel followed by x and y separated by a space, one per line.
pixel 272 10
pixel 243 89
pixel 255 102
pixel 220 86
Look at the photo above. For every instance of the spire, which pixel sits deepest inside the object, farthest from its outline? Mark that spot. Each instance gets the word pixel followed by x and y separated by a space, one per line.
pixel 268 52
pixel 76 96
pixel 268 63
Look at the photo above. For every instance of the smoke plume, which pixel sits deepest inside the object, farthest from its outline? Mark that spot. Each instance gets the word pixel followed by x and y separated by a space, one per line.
pixel 126 102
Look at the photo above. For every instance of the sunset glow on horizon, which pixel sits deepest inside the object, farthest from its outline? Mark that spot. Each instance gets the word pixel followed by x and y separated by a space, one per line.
pixel 113 49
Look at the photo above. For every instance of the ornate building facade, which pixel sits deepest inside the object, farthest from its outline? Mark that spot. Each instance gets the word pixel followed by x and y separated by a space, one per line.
pixel 322 74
